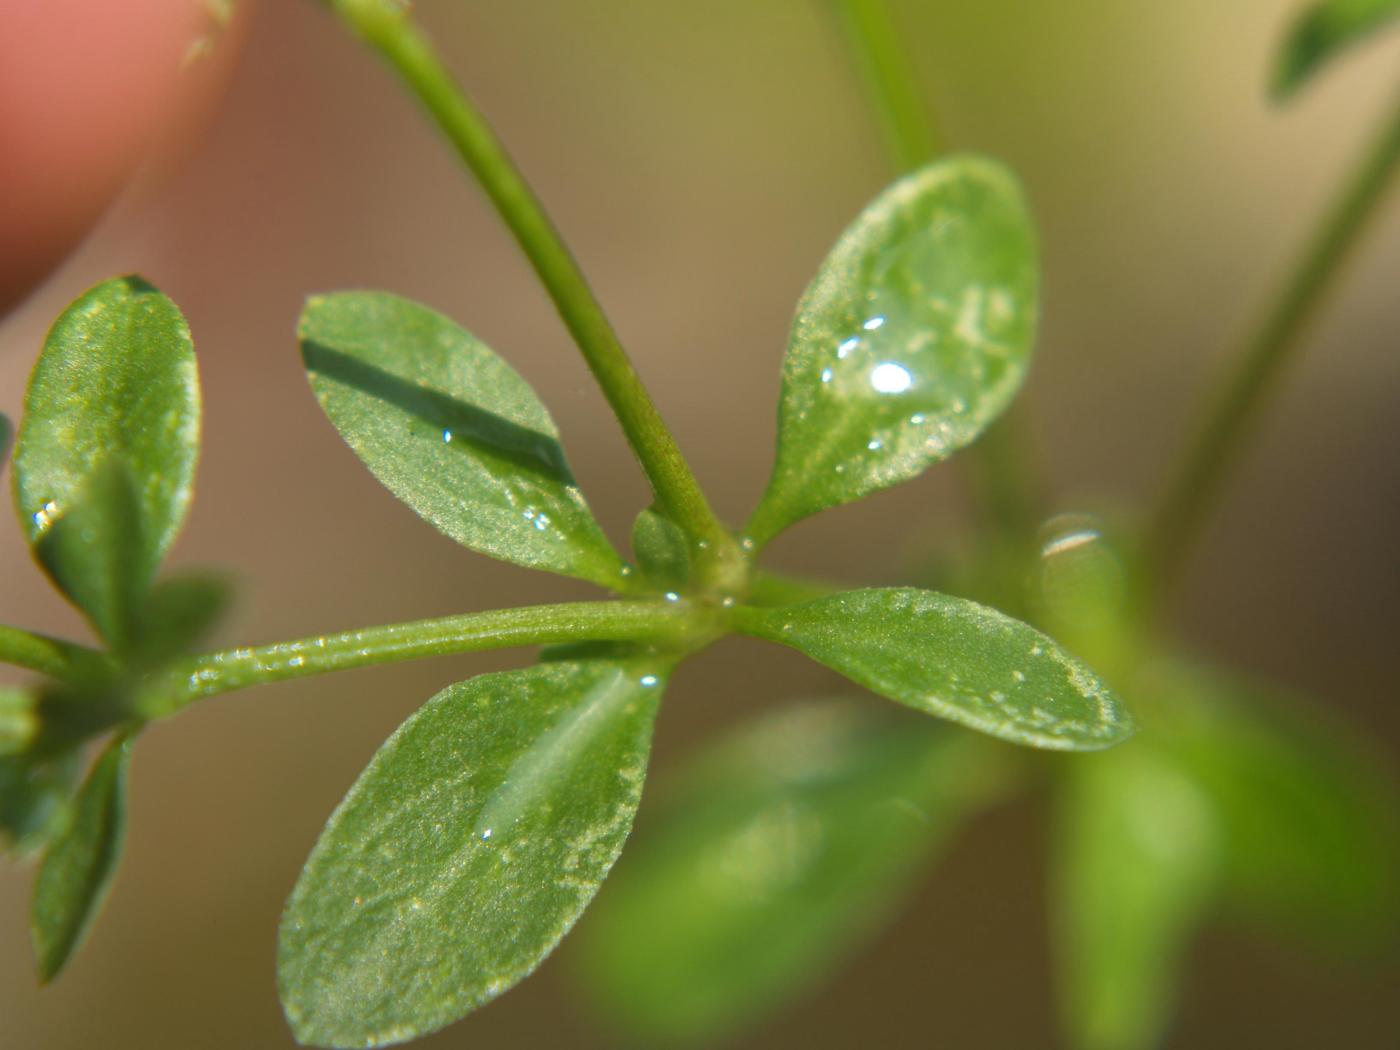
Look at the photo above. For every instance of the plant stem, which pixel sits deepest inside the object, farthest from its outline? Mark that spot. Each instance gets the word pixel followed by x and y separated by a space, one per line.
pixel 888 79
pixel 385 25
pixel 1265 353
pixel 66 661
pixel 997 462
pixel 651 623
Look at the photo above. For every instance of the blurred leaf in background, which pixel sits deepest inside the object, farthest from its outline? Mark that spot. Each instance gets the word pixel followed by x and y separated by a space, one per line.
pixel 770 856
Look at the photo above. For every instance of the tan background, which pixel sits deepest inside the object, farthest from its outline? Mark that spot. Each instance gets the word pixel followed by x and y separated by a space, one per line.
pixel 701 157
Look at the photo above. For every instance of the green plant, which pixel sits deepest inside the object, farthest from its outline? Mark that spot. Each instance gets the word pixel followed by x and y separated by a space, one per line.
pixel 484 826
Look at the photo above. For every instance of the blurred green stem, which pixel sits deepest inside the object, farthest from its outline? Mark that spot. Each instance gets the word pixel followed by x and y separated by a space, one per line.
pixel 999 463
pixel 387 27
pixel 1255 373
pixel 648 623
pixel 887 76
pixel 50 656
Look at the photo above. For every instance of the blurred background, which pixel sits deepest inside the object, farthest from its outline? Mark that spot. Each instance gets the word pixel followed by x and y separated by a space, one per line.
pixel 701 159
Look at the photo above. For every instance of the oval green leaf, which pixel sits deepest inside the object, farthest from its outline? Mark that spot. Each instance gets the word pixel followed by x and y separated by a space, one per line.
pixel 94 552
pixel 453 431
pixel 466 850
pixel 1321 32
pixel 116 378
pixel 1137 859
pixel 914 335
pixel 79 865
pixel 35 796
pixel 773 856
pixel 952 658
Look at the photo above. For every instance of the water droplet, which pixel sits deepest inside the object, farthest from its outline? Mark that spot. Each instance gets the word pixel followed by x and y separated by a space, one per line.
pixel 672 596
pixel 542 522
pixel 447 437
pixel 916 418
pixel 529 515
pixel 727 602
pixel 485 834
pixel 1019 676
pixel 826 375
pixel 45 515
pixel 846 347
pixel 873 323
pixel 875 444
pixel 627 570
pixel 747 543
pixel 649 680
pixel 890 378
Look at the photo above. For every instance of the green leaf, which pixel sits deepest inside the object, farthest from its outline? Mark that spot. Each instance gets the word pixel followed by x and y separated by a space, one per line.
pixel 1321 32
pixel 19 720
pixel 94 552
pixel 954 659
pixel 177 613
pixel 777 852
pixel 116 378
pixel 1137 859
pixel 1309 811
pixel 35 794
pixel 466 850
pixel 662 549
pixel 914 335
pixel 79 865
pixel 453 431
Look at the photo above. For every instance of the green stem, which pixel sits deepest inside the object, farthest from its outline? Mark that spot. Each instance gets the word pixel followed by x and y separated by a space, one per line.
pixel 887 76
pixel 65 661
pixel 385 25
pixel 649 623
pixel 1262 359
pixel 996 464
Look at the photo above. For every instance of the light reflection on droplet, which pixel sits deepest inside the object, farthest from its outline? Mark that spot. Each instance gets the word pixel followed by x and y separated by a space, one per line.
pixel 875 445
pixel 826 375
pixel 447 437
pixel 672 596
pixel 873 323
pixel 916 418
pixel 890 378
pixel 846 347
pixel 45 515
pixel 541 522
pixel 649 680
pixel 485 834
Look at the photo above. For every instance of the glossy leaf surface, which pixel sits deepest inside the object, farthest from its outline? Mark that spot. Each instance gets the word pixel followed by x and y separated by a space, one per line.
pixel 466 850
pixel 79 865
pixel 1137 859
pixel 453 431
pixel 954 659
pixel 1321 32
pixel 774 855
pixel 914 335
pixel 1311 816
pixel 94 552
pixel 116 378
